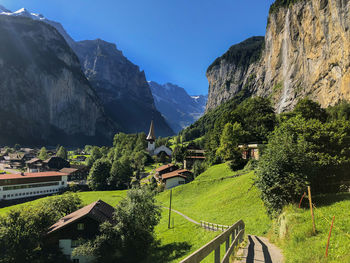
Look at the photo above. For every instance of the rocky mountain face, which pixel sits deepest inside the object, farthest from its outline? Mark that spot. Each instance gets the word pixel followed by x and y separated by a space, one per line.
pixel 306 52
pixel 178 108
pixel 121 86
pixel 45 97
pixel 118 86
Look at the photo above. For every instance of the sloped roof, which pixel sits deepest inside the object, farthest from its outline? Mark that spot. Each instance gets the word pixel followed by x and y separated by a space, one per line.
pixel 163 167
pixel 99 210
pixel 177 173
pixel 34 160
pixel 151 135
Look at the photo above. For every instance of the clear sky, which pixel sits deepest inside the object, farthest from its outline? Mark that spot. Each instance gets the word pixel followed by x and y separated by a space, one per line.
pixel 171 40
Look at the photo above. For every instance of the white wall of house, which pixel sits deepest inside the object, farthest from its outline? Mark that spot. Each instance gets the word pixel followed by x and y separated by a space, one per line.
pixel 174 181
pixel 34 189
pixel 67 249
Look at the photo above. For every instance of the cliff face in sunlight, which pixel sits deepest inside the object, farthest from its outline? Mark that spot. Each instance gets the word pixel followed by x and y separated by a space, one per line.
pixel 306 53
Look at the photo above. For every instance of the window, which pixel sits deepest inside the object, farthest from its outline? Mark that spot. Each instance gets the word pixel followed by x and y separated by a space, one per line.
pixel 4 196
pixel 62 183
pixel 77 243
pixel 75 260
pixel 80 226
pixel 181 182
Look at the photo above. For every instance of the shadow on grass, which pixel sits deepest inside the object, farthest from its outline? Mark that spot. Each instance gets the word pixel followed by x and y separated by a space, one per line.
pixel 169 252
pixel 328 199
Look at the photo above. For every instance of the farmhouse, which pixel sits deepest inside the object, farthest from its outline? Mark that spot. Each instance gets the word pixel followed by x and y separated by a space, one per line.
pixel 26 185
pixel 34 165
pixel 80 225
pixel 55 163
pixel 167 168
pixel 176 178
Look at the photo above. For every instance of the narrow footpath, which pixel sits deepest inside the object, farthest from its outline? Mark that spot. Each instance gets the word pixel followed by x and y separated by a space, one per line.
pixel 184 216
pixel 259 250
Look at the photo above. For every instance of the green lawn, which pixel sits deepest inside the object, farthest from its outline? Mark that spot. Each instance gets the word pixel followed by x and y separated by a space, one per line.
pixel 216 198
pixel 299 231
pixel 110 197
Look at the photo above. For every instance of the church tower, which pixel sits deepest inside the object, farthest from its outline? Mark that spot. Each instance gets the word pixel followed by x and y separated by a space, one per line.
pixel 151 138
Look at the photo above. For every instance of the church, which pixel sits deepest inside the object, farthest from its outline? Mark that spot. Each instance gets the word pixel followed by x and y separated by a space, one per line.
pixel 151 148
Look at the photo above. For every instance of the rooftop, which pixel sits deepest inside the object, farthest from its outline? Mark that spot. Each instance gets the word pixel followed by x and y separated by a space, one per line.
pixel 30 175
pixel 177 173
pixel 163 167
pixel 99 210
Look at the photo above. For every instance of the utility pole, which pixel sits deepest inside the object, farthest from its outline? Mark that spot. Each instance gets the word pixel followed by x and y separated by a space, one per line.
pixel 171 193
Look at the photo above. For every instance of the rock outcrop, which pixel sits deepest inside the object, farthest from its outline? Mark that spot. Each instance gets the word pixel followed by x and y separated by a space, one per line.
pixel 45 97
pixel 306 52
pixel 121 86
pixel 178 108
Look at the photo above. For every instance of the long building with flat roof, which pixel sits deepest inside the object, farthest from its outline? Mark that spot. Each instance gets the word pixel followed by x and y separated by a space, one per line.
pixel 25 185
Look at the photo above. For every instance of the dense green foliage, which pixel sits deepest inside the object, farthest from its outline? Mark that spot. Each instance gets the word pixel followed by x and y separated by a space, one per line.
pixel 62 153
pixel 243 54
pixel 132 236
pixel 43 155
pixel 304 152
pixel 22 232
pixel 99 174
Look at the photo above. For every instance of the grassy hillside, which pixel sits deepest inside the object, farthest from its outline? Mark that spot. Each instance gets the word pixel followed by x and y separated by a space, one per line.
pixel 214 197
pixel 110 197
pixel 299 231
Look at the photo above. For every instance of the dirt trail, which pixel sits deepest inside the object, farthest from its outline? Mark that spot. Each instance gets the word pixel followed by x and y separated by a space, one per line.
pixel 184 216
pixel 259 250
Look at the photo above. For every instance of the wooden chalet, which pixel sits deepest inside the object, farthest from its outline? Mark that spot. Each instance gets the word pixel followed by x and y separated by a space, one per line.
pixel 176 178
pixel 167 168
pixel 80 225
pixel 250 151
pixel 34 165
pixel 56 163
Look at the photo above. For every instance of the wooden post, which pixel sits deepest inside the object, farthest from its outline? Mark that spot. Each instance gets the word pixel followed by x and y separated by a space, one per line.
pixel 227 243
pixel 329 236
pixel 217 255
pixel 171 193
pixel 311 209
pixel 301 199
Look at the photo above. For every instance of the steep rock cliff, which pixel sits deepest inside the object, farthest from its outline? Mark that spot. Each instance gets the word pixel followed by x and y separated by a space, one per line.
pixel 178 108
pixel 121 86
pixel 45 97
pixel 306 53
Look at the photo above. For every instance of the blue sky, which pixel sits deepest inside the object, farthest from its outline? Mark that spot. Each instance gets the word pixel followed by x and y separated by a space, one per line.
pixel 171 40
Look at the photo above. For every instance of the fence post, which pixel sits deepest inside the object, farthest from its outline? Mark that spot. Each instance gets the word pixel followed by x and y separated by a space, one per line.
pixel 329 236
pixel 228 243
pixel 312 211
pixel 217 255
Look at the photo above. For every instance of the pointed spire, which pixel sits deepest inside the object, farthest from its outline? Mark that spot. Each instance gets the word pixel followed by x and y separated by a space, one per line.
pixel 151 136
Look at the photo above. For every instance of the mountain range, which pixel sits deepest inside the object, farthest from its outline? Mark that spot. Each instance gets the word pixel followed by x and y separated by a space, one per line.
pixel 58 90
pixel 178 108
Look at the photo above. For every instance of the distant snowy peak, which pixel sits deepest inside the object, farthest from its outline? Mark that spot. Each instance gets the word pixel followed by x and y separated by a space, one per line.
pixel 25 13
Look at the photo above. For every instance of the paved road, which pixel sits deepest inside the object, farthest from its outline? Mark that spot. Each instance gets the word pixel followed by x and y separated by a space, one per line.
pixel 184 216
pixel 259 250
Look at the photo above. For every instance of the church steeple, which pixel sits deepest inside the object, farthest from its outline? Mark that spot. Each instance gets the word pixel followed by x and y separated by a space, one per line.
pixel 151 136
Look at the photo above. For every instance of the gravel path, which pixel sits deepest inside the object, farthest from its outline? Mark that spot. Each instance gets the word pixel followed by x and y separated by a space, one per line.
pixel 259 250
pixel 184 216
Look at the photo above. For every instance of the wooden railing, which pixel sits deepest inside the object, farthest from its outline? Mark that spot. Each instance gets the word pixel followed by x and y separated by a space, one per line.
pixel 232 236
pixel 213 227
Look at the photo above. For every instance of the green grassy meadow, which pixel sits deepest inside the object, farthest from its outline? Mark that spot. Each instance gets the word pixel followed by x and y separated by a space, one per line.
pixel 300 234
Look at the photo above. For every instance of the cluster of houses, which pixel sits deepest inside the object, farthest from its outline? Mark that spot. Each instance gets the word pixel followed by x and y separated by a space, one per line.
pixel 31 177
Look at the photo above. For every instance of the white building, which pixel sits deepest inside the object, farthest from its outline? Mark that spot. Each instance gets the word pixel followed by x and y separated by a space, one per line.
pixel 151 147
pixel 17 186
pixel 176 178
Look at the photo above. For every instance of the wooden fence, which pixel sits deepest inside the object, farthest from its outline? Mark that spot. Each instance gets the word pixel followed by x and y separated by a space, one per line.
pixel 213 227
pixel 231 237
